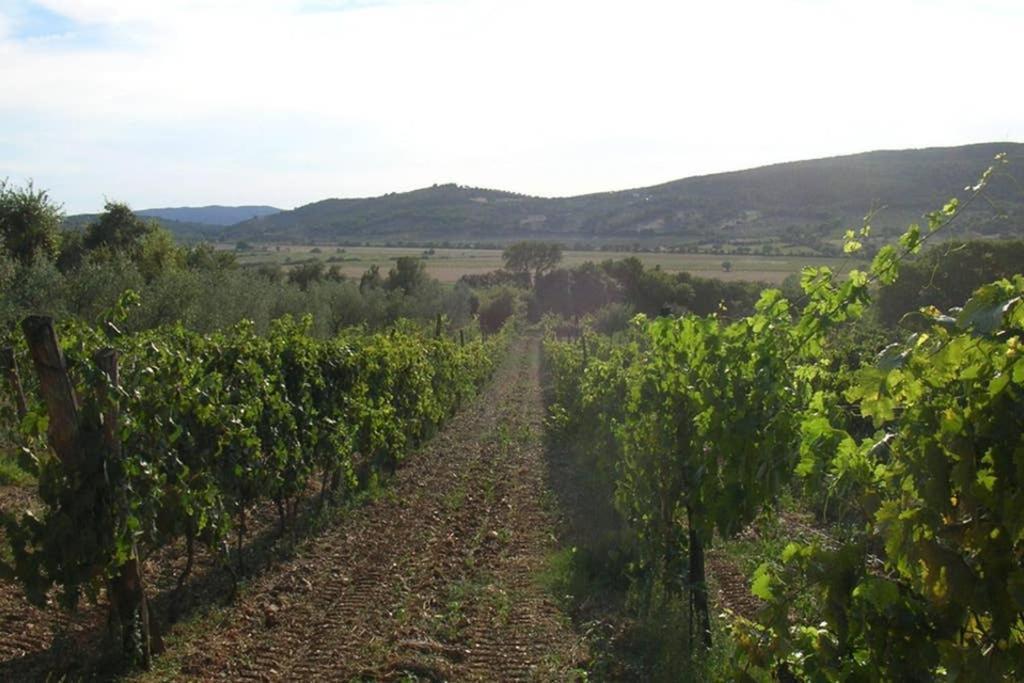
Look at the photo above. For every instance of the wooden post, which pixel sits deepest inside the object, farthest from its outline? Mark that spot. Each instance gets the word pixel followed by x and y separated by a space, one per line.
pixel 128 603
pixel 438 327
pixel 698 584
pixel 55 387
pixel 462 338
pixel 10 367
pixel 73 443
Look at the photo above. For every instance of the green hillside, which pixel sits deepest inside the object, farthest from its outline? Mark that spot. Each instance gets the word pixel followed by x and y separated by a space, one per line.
pixel 793 203
pixel 801 205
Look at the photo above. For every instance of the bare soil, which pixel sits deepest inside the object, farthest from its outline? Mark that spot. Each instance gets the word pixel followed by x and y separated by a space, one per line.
pixel 731 587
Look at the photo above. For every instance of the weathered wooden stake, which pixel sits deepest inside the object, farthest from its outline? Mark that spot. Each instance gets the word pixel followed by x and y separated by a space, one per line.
pixel 56 389
pixel 129 608
pixel 698 584
pixel 10 367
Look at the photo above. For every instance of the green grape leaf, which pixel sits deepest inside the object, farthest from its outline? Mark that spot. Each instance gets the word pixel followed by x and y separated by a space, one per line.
pixel 761 586
pixel 880 592
pixel 984 312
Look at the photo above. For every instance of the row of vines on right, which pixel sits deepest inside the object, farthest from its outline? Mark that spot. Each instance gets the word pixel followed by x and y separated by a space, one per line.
pixel 701 424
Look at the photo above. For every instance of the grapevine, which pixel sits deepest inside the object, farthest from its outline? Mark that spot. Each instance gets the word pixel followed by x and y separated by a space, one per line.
pixel 189 432
pixel 701 423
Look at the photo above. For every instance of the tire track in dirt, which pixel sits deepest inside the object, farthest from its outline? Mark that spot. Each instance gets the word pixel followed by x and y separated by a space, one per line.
pixel 435 580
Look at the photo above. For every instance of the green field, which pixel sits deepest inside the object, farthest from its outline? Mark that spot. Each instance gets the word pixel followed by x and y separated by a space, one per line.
pixel 448 265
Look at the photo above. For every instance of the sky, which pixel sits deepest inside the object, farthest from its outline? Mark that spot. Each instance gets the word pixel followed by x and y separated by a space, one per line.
pixel 285 102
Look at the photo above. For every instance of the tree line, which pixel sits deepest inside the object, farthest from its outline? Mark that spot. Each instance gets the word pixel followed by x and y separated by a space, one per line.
pixel 47 268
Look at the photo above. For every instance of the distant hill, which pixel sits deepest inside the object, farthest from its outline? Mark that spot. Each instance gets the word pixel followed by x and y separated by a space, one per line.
pixel 795 203
pixel 182 230
pixel 188 222
pixel 210 215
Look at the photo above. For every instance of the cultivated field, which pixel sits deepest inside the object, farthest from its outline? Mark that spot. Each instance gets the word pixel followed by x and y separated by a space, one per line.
pixel 448 265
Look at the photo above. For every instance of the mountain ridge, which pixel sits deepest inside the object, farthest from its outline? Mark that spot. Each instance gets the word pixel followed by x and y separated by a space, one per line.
pixel 792 201
pixel 212 214
pixel 807 202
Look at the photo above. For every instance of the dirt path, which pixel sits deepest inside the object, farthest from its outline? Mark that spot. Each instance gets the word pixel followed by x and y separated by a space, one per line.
pixel 435 580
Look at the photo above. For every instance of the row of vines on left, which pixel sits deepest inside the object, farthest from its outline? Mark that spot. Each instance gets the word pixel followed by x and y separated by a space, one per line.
pixel 140 442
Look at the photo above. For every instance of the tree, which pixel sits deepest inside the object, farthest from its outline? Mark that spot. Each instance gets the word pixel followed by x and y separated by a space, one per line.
pixel 727 266
pixel 29 222
pixel 71 250
pixel 306 274
pixel 407 275
pixel 204 256
pixel 538 257
pixel 371 279
pixel 334 274
pixel 494 313
pixel 158 254
pixel 117 229
pixel 270 272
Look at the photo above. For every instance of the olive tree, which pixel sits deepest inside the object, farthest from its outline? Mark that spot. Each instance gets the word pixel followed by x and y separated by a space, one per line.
pixel 29 222
pixel 535 256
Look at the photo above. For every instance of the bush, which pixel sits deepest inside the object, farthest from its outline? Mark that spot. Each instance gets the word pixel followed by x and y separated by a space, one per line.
pixel 613 318
pixel 495 312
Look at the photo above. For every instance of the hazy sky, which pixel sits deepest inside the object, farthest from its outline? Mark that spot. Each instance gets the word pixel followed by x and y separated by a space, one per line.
pixel 166 103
